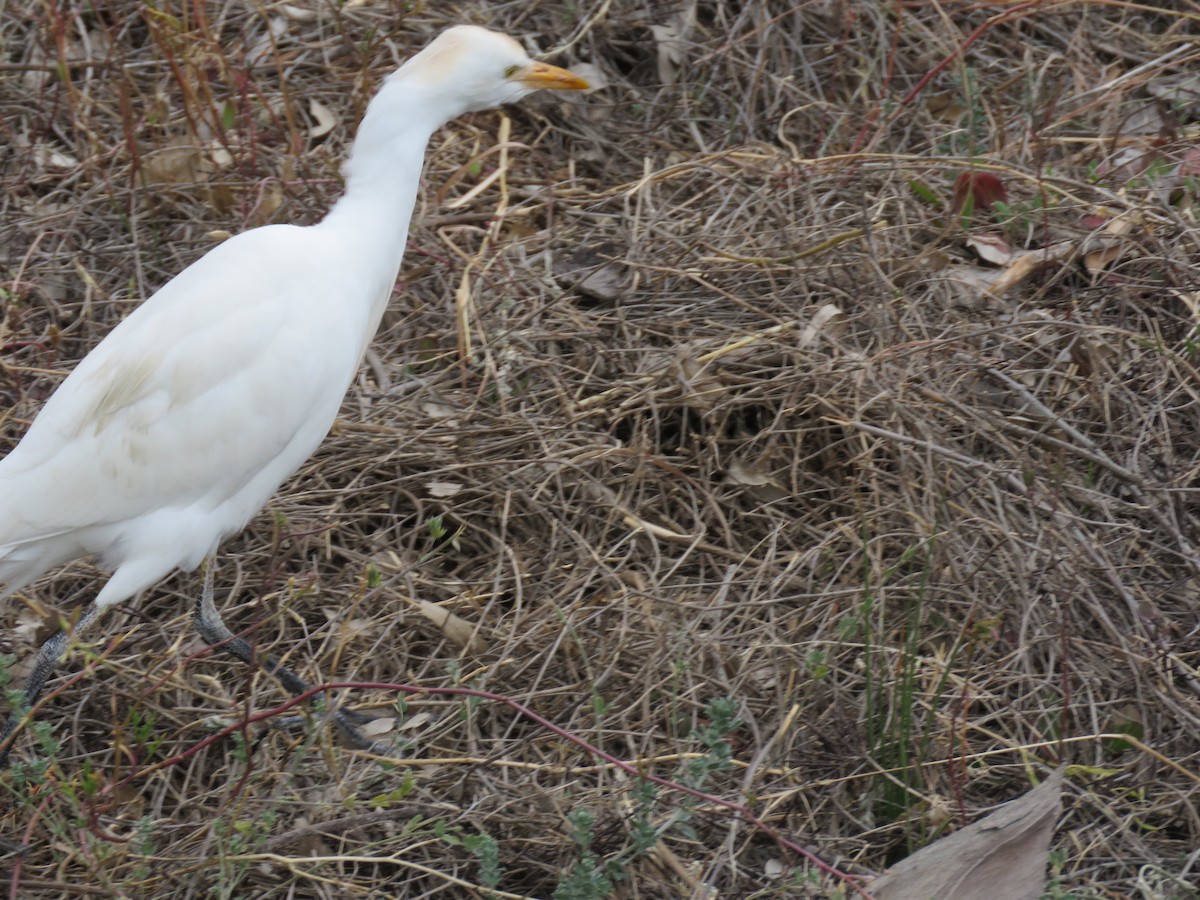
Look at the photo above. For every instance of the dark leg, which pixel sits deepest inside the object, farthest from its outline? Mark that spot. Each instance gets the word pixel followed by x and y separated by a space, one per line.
pixel 213 630
pixel 47 660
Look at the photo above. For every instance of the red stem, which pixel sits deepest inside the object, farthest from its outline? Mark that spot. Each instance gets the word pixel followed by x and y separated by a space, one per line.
pixel 736 808
pixel 975 35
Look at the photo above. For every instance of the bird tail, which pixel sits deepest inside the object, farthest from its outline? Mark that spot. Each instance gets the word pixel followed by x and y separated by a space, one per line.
pixel 23 561
pixel 27 548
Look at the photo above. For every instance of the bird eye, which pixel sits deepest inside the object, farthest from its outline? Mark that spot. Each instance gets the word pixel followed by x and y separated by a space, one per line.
pixel 511 71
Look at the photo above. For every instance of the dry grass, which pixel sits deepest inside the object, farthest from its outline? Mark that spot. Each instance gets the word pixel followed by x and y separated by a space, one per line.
pixel 931 547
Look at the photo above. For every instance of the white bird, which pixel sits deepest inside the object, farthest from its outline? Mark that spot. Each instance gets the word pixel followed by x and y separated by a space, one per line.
pixel 178 427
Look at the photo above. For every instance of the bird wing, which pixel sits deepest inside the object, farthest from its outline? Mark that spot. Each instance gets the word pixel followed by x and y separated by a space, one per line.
pixel 197 393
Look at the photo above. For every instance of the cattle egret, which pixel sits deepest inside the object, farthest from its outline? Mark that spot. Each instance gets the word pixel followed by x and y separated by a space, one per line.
pixel 180 425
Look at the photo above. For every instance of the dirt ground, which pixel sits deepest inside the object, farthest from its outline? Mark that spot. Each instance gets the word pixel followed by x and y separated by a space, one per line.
pixel 806 417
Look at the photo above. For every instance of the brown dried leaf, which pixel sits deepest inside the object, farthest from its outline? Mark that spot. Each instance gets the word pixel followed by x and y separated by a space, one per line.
pixel 324 118
pixel 1189 163
pixel 592 74
pixel 945 106
pixel 28 625
pixel 47 157
pixel 595 272
pixel 354 628
pixel 379 726
pixel 975 277
pixel 991 248
pixel 740 473
pixel 179 162
pixel 977 191
pixel 439 410
pixel 219 155
pixel 1180 92
pixel 1098 260
pixel 298 13
pixel 670 53
pixel 456 629
pixel 1001 855
pixel 828 320
pixel 1124 222
pixel 671 41
pixel 443 489
pixel 1025 264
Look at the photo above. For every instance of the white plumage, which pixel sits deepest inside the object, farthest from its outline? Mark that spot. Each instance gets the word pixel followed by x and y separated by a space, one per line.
pixel 180 425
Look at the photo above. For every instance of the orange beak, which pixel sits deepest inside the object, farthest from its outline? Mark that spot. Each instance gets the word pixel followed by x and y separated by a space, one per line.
pixel 543 76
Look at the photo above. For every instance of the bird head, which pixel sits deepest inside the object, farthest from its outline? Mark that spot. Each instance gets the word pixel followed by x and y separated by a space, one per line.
pixel 471 68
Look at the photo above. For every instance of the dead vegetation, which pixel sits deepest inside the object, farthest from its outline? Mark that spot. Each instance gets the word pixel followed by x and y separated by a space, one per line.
pixel 712 384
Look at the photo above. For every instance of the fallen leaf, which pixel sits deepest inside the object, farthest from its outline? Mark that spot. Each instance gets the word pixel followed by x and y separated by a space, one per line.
pixel 670 39
pixel 323 117
pixel 179 162
pixel 1098 260
pixel 456 629
pixel 47 157
pixel 438 410
pixel 972 281
pixel 945 106
pixel 443 489
pixel 28 625
pixel 1025 264
pixel 376 727
pixel 595 272
pixel 991 248
pixel 1180 92
pixel 353 628
pixel 592 74
pixel 220 156
pixel 977 191
pixel 670 53
pixel 414 722
pixel 740 473
pixel 1189 163
pixel 298 14
pixel 1127 163
pixel 1124 222
pixel 1004 854
pixel 828 320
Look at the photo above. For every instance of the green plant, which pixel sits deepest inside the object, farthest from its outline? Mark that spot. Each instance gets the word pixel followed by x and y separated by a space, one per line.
pixel 1020 218
pixel 971 138
pixel 487 851
pixel 590 878
pixel 482 845
pixel 233 841
pixel 899 737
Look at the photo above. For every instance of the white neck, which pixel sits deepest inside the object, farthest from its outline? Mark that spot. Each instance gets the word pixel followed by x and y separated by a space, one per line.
pixel 383 174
